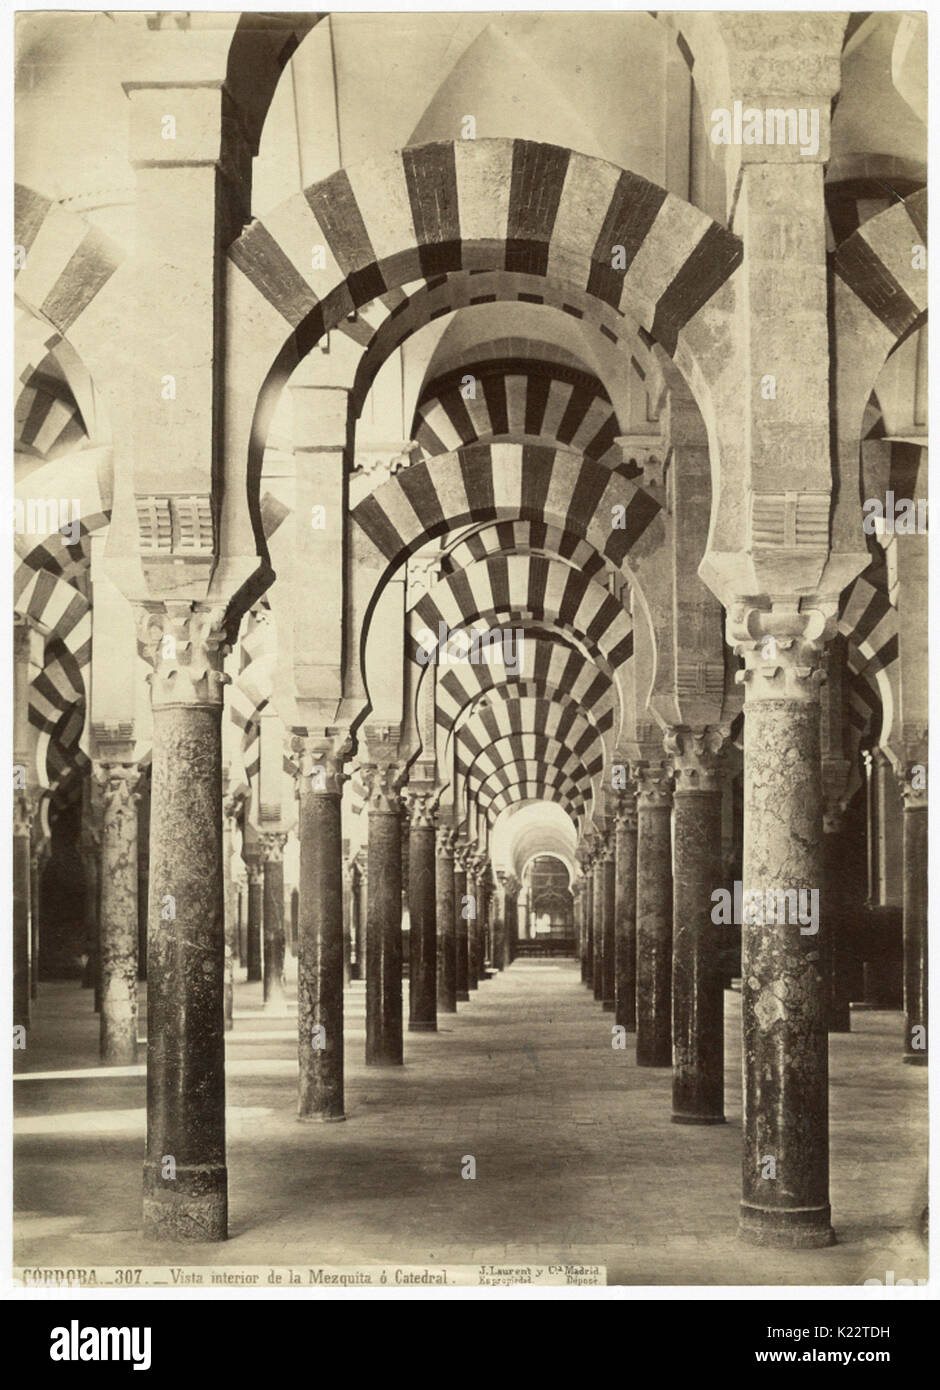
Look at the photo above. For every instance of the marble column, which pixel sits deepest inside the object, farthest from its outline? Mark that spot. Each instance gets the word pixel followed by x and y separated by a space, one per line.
pixel 22 828
pixel 625 912
pixel 784 990
pixel 320 1051
pixel 588 866
pixel 253 929
pixel 231 807
pixel 913 784
pixel 654 915
pixel 499 923
pixel 838 922
pixel 698 1047
pixel 460 921
pixel 422 907
pixel 185 1181
pixel 272 854
pixel 118 931
pixel 474 946
pixel 600 917
pixel 384 1037
pixel 608 879
pixel 446 923
pixel 37 862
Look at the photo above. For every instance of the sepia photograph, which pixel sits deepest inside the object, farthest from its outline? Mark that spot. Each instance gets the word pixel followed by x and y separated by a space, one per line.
pixel 470 685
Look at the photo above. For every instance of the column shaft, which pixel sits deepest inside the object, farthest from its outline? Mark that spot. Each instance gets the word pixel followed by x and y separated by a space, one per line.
pixel 446 924
pixel 915 929
pixel 422 990
pixel 384 1037
pixel 460 931
pixel 654 925
pixel 118 935
pixel 625 920
pixel 273 908
pixel 255 919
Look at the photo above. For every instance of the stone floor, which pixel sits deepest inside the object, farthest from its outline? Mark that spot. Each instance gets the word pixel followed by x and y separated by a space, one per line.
pixel 576 1158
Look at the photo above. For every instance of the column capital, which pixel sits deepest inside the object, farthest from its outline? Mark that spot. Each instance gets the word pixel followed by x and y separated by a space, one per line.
pixel 272 844
pixel 254 871
pixel 320 757
pixel 24 808
pixel 383 783
pixel 697 756
pixel 654 784
pixel 421 806
pixel 463 854
pixel 232 805
pixel 446 836
pixel 186 644
pixel 118 784
pixel 782 646
pixel 912 782
pixel 625 809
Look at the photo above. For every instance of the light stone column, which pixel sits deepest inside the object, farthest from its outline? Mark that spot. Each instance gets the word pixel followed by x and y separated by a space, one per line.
pixel 653 914
pixel 625 823
pixel 913 785
pixel 384 1039
pixel 446 923
pixel 422 908
pixel 784 987
pixel 698 1050
pixel 118 929
pixel 185 1181
pixel 321 1055
pixel 461 888
pixel 272 855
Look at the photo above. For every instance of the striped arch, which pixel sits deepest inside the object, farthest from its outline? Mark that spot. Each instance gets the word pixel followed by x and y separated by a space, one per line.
pixel 431 210
pixel 523 538
pixel 875 264
pixel 62 262
pixel 527 716
pixel 533 757
pixel 514 397
pixel 523 776
pixel 553 666
pixel 380 328
pixel 532 584
pixel 57 697
pixel 491 482
pixel 538 790
pixel 47 421
pixel 517 696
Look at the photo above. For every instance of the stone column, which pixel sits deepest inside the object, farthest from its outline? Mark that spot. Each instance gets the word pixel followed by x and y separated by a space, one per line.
pixel 422 906
pixel 600 917
pixel 185 1182
pixel 255 872
pixel 784 989
pixel 512 918
pixel 321 1057
pixel 625 913
pixel 913 784
pixel 231 807
pixel 838 923
pixel 609 971
pixel 22 829
pixel 474 947
pixel 653 915
pixel 697 981
pixel 384 1040
pixel 460 921
pixel 499 923
pixel 38 857
pixel 588 866
pixel 272 854
pixel 118 932
pixel 446 923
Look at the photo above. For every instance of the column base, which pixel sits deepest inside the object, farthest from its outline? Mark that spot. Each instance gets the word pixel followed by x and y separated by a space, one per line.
pixel 463 997
pixel 191 1206
pixel 798 1229
pixel 680 1119
pixel 915 1060
pixel 447 1008
pixel 422 1027
pixel 320 1119
pixel 385 1062
pixel 609 1006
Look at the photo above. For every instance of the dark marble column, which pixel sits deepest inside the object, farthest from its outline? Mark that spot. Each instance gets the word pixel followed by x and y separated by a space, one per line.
pixel 231 807
pixel 587 864
pixel 698 1040
pixel 600 915
pixel 384 1037
pixel 272 854
pixel 446 923
pixel 654 915
pixel 38 856
pixel 499 923
pixel 914 792
pixel 118 931
pixel 22 826
pixel 474 944
pixel 625 912
pixel 461 851
pixel 320 1051
pixel 185 1182
pixel 253 929
pixel 608 879
pixel 784 988
pixel 422 909
pixel 512 918
pixel 839 923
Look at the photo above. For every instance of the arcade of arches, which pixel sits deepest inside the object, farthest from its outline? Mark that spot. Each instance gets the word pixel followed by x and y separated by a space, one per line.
pixel 466 575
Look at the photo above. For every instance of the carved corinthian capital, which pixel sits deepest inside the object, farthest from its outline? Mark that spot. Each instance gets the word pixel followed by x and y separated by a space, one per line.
pixel 186 645
pixel 783 649
pixel 697 757
pixel 383 782
pixel 320 759
pixel 118 783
